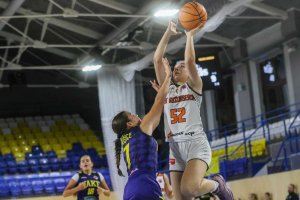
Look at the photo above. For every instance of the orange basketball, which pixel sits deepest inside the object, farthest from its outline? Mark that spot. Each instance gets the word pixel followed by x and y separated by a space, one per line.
pixel 192 15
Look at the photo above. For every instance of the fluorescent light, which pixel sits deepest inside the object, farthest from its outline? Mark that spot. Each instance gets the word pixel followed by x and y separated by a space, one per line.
pixel 166 12
pixel 91 68
pixel 207 58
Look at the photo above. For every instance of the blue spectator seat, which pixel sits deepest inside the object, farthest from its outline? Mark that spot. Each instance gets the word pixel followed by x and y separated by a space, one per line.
pixel 2 167
pixel 50 154
pixel 60 184
pixel 4 189
pixel 66 164
pixel 37 186
pixel 44 164
pixel 22 166
pixel 54 164
pixel 14 188
pixel 49 187
pixel 26 187
pixel 33 165
pixel 11 167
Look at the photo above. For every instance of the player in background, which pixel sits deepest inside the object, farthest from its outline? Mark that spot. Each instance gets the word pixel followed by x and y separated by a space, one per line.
pixel 87 184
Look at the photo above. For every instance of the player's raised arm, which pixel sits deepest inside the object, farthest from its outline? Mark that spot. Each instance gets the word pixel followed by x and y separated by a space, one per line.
pixel 151 120
pixel 160 51
pixel 195 80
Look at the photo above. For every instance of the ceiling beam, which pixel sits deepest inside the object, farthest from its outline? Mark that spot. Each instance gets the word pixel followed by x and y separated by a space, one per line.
pixel 12 7
pixel 267 9
pixel 115 5
pixel 60 23
pixel 59 52
pixel 254 17
pixel 218 38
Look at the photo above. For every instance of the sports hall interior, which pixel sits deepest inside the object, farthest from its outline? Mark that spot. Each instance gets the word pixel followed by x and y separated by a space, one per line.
pixel 52 111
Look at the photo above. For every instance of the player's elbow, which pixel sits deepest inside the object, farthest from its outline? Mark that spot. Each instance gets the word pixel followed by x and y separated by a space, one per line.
pixel 157 59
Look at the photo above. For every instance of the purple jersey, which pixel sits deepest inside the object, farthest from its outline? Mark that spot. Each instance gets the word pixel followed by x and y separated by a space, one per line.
pixel 139 151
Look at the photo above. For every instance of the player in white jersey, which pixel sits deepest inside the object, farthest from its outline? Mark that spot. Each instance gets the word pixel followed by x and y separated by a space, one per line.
pixel 165 186
pixel 190 152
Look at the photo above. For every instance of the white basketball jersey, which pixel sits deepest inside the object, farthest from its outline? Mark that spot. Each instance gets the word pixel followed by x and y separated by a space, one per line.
pixel 182 114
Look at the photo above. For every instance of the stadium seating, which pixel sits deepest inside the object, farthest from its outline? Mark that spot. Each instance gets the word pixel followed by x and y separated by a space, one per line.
pixel 38 155
pixel 38 184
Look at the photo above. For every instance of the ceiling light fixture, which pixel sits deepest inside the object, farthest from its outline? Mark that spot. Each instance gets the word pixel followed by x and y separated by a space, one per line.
pixel 91 68
pixel 166 12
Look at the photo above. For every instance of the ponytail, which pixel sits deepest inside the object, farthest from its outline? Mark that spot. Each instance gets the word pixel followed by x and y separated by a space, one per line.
pixel 118 155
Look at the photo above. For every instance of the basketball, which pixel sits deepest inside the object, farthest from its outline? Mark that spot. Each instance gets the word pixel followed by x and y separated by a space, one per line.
pixel 192 15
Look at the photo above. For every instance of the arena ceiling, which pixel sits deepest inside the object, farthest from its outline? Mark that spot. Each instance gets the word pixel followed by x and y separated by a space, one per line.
pixel 59 36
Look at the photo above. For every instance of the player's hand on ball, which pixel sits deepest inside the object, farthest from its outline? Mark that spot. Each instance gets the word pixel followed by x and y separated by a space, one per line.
pixel 194 31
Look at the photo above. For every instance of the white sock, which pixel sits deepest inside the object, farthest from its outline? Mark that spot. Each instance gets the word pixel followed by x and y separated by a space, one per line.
pixel 216 186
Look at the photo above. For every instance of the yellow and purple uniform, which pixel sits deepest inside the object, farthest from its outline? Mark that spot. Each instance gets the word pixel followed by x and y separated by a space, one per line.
pixel 140 155
pixel 92 181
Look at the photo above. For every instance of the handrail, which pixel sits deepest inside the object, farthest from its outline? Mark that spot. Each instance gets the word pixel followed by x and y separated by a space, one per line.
pixel 254 120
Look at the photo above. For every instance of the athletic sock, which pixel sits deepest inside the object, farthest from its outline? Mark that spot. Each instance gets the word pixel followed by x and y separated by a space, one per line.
pixel 216 187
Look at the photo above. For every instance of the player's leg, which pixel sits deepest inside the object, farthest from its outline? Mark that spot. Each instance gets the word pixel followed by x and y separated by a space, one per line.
pixel 176 166
pixel 176 180
pixel 193 184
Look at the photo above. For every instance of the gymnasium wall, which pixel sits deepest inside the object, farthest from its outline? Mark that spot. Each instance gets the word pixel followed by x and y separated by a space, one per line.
pixel 276 184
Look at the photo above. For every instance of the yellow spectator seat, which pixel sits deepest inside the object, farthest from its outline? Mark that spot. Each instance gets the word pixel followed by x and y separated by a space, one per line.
pixel 60 122
pixel 3 143
pixel 67 146
pixel 72 139
pixel 12 143
pixel 68 133
pixel 74 127
pixel 88 132
pixel 16 130
pixel 22 142
pixel 97 143
pixel 5 150
pixel 43 141
pixel 22 125
pixel 54 128
pixel 53 141
pixel 32 142
pixel 46 147
pixel 58 134
pixel 82 139
pixel 9 137
pixel 35 130
pixel 86 145
pixel 56 146
pixel 92 138
pixel 64 128
pixel 61 153
pixel 63 140
pixel 26 149
pixel 19 156
pixel 15 149
pixel 25 130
